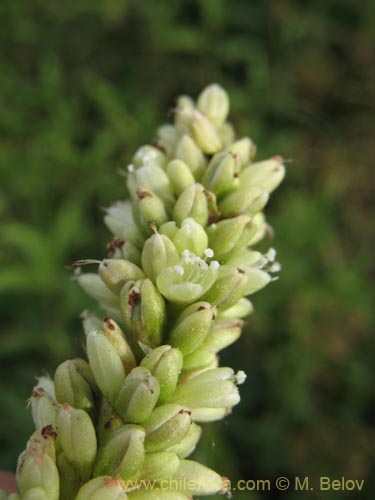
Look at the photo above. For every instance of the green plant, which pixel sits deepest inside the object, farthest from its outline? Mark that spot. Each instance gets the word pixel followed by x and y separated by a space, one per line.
pixel 174 288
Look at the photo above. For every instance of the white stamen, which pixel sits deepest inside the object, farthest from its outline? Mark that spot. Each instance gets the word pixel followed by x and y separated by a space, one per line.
pixel 209 253
pixel 271 254
pixel 179 270
pixel 215 265
pixel 240 377
pixel 131 168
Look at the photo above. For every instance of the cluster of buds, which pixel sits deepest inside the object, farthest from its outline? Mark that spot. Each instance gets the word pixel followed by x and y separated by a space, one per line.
pixel 174 290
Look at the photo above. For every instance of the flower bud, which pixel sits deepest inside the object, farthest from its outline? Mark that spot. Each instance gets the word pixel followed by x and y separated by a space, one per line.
pixel 169 229
pixel 149 209
pixel 229 287
pixel 165 365
pixel 180 176
pixel 192 237
pixel 116 272
pixel 192 203
pixel 75 384
pixel 167 136
pixel 219 176
pixel 196 479
pixel 212 388
pixel 244 151
pixel 213 102
pixel 115 335
pixel 42 442
pixel 143 311
pixel 222 334
pixel 266 174
pixel 187 445
pixel 33 494
pixel 159 465
pixel 119 219
pixel 240 310
pixel 147 156
pixel 262 228
pixel 94 287
pixel 151 178
pixel 138 395
pixel 188 281
pixel 106 364
pixel 189 153
pixel 229 235
pixel 198 360
pixel 43 403
pixel 77 437
pixel 257 279
pixel 103 488
pixel 204 133
pixel 121 249
pixel 192 328
pixel 122 454
pixel 36 469
pixel 70 480
pixel 226 134
pixel 244 201
pixel 166 427
pixel 158 253
pixel 184 111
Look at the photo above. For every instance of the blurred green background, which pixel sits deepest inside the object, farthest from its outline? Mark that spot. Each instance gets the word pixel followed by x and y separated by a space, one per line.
pixel 82 85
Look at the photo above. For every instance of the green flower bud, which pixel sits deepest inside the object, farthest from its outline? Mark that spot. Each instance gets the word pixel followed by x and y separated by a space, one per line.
pixel 190 331
pixel 43 403
pixel 204 133
pixel 77 437
pixel 106 364
pixel 227 134
pixel 169 229
pixel 42 442
pixel 222 334
pixel 103 488
pixel 244 151
pixel 166 427
pixel 37 469
pixel 240 310
pixel 116 272
pixel 149 210
pixel 122 454
pixel 167 136
pixel 187 445
pixel 94 287
pixel 158 253
pixel 148 155
pixel 121 249
pixel 115 335
pixel 229 235
pixel 189 152
pixel 143 311
pixel 35 494
pixel 219 176
pixel 138 396
pixel 70 481
pixel 185 108
pixel 253 262
pixel 188 281
pixel 160 465
pixel 209 389
pixel 165 364
pixel 119 219
pixel 75 384
pixel 229 287
pixel 213 102
pixel 262 228
pixel 192 237
pixel 196 479
pixel 180 176
pixel 151 178
pixel 246 200
pixel 198 360
pixel 192 203
pixel 266 174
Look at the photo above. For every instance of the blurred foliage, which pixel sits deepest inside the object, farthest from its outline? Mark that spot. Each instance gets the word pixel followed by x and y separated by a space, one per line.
pixel 82 85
